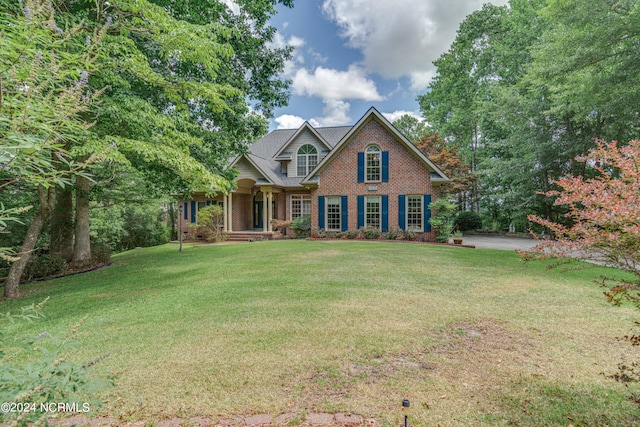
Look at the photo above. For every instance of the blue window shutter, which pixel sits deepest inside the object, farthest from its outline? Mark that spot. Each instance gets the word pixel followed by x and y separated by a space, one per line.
pixel 385 166
pixel 385 213
pixel 360 211
pixel 321 212
pixel 344 213
pixel 186 214
pixel 360 167
pixel 193 211
pixel 426 208
pixel 402 203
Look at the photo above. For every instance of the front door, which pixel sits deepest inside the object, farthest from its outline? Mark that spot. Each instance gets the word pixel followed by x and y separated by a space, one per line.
pixel 257 214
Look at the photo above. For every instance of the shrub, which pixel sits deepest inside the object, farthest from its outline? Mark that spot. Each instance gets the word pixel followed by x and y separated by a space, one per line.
pixel 392 234
pixel 301 226
pixel 468 220
pixel 210 222
pixel 43 266
pixel 409 235
pixel 352 234
pixel 371 233
pixel 443 219
pixel 100 254
pixel 280 225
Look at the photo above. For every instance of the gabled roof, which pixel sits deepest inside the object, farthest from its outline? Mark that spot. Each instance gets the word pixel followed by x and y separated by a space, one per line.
pixel 440 176
pixel 266 153
pixel 301 129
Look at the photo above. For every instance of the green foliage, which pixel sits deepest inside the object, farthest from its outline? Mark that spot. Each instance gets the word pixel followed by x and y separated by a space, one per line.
pixel 371 233
pixel 124 226
pixel 210 221
pixel 352 234
pixel 409 235
pixel 443 219
pixel 468 220
pixel 43 265
pixel 301 226
pixel 411 127
pixel 50 377
pixel 392 234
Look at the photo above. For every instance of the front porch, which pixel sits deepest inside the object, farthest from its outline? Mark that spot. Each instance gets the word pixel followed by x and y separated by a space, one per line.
pixel 250 236
pixel 251 209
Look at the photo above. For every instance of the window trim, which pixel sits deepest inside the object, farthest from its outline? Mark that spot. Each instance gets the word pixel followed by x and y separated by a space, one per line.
pixel 302 198
pixel 370 171
pixel 307 156
pixel 420 214
pixel 338 200
pixel 366 211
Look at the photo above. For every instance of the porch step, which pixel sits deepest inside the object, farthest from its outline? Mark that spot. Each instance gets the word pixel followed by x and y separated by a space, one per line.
pixel 240 236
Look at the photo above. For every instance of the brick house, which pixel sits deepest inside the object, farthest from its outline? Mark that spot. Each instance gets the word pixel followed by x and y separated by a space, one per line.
pixel 345 178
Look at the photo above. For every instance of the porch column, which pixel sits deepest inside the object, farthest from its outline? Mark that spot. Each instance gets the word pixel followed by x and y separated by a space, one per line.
pixel 225 217
pixel 265 224
pixel 270 211
pixel 230 213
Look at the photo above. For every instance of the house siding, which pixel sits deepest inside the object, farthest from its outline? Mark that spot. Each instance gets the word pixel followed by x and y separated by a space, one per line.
pixel 247 170
pixel 407 174
pixel 305 137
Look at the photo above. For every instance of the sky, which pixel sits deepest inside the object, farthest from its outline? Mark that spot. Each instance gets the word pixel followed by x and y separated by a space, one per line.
pixel 351 55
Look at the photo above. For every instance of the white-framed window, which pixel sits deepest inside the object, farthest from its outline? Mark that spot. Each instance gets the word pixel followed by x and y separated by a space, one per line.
pixel 373 207
pixel 373 158
pixel 300 205
pixel 307 159
pixel 334 213
pixel 414 213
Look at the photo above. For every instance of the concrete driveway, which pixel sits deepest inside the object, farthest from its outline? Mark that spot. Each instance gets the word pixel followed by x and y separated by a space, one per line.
pixel 499 242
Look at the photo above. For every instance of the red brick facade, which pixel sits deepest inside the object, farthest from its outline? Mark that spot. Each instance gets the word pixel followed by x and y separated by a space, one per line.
pixel 406 173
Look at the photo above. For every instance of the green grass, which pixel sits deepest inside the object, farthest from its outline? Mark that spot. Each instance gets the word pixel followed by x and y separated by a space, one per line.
pixel 471 337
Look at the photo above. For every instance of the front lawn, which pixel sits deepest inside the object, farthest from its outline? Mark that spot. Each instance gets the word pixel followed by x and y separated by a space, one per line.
pixel 471 337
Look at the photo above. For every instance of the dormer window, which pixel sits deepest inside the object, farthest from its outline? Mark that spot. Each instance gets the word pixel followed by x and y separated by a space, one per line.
pixel 373 156
pixel 307 159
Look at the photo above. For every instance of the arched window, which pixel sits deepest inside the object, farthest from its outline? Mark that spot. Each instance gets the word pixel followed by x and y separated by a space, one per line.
pixel 374 163
pixel 307 159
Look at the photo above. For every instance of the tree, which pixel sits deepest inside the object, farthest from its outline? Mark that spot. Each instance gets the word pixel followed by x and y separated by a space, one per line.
pixel 590 60
pixel 412 127
pixel 43 75
pixel 448 159
pixel 189 84
pixel 603 213
pixel 466 72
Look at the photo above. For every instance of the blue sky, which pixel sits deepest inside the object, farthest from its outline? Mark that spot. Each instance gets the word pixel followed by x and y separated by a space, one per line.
pixel 354 54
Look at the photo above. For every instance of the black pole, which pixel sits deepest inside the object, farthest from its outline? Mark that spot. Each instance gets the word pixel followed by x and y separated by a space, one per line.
pixel 405 408
pixel 180 225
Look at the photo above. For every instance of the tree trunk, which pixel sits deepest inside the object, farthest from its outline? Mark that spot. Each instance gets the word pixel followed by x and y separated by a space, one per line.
pixel 47 202
pixel 62 225
pixel 82 247
pixel 172 219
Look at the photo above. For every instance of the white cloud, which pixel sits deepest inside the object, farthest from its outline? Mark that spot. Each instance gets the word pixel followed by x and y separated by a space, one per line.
pixel 335 87
pixel 401 37
pixel 331 84
pixel 288 121
pixel 336 113
pixel 392 117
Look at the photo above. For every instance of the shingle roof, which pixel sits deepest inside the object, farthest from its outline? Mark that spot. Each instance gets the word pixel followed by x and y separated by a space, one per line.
pixel 267 152
pixel 262 152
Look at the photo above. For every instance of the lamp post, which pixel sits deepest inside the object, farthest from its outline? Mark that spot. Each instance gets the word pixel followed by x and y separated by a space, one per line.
pixel 180 225
pixel 405 408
